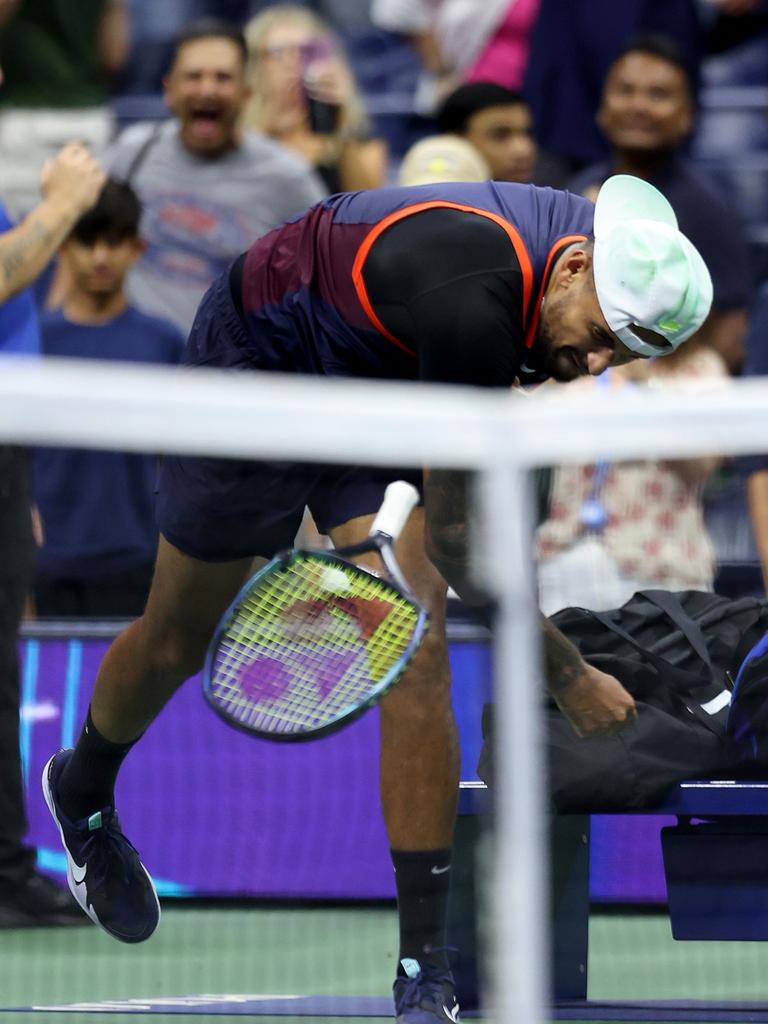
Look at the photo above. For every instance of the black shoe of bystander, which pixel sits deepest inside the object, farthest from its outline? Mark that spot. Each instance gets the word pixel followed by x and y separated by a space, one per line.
pixel 37 902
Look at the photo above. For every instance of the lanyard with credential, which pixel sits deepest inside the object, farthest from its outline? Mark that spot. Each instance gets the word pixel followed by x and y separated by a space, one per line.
pixel 593 513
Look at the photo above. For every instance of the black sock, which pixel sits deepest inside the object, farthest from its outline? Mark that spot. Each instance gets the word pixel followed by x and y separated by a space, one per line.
pixel 422 878
pixel 87 783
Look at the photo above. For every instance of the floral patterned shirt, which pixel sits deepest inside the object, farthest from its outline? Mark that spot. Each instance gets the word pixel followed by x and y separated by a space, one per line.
pixel 655 526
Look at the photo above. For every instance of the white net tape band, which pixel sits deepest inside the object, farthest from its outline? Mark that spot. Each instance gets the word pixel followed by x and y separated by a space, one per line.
pixel 215 412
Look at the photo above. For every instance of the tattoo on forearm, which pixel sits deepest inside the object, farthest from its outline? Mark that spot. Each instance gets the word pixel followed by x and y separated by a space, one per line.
pixel 24 253
pixel 562 661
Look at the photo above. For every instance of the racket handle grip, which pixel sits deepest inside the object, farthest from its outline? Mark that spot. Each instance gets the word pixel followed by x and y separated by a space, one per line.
pixel 400 498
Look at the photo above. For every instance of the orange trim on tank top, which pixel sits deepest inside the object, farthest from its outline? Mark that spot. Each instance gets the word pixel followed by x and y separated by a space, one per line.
pixel 561 243
pixel 365 247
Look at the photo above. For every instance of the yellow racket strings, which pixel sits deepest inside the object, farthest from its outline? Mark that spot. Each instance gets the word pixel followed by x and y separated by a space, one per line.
pixel 312 639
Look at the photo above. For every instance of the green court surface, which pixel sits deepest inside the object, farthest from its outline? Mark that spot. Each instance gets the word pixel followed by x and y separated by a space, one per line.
pixel 323 952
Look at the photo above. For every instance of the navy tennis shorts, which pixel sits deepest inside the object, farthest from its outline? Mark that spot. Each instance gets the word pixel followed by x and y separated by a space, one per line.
pixel 223 509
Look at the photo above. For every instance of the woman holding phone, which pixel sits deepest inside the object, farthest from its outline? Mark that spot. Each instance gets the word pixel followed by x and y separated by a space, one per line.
pixel 305 96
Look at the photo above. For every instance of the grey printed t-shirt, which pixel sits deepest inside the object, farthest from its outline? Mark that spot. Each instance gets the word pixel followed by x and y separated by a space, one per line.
pixel 200 214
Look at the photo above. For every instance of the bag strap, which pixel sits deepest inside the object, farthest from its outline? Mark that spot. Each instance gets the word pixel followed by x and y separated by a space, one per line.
pixel 679 680
pixel 682 683
pixel 671 605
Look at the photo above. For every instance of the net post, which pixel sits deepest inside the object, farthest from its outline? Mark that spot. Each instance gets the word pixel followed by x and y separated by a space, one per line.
pixel 519 918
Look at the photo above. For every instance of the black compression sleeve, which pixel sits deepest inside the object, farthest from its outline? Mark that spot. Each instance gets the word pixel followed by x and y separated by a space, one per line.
pixel 448 283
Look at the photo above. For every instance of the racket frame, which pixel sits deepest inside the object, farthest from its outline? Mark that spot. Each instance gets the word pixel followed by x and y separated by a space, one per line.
pixel 340 558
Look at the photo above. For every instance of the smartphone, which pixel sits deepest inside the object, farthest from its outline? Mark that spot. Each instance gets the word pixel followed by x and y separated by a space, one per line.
pixel 323 117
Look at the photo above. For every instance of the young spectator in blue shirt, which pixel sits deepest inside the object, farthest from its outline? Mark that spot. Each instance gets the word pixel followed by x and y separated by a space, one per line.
pixel 645 114
pixel 97 507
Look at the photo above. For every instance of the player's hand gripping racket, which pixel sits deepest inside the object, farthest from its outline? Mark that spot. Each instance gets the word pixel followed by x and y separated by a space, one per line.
pixel 312 640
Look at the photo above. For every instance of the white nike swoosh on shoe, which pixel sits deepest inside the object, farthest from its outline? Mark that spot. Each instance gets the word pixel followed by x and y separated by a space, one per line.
pixel 78 889
pixel 440 871
pixel 452 1014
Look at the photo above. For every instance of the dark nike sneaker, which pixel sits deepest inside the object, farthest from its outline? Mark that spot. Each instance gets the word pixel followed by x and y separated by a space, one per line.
pixel 425 995
pixel 104 872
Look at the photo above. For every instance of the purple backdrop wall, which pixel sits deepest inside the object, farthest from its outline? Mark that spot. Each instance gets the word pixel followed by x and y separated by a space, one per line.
pixel 214 811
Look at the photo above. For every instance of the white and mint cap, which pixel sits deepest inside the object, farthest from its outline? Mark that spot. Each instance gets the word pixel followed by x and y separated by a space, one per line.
pixel 647 273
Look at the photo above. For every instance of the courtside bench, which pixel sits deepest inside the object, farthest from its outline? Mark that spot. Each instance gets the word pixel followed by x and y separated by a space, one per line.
pixel 716 867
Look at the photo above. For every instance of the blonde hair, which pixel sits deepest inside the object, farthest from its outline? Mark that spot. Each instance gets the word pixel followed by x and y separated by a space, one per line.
pixel 255 113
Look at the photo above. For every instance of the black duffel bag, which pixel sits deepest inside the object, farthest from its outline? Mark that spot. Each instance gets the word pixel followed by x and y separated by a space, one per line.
pixel 678 655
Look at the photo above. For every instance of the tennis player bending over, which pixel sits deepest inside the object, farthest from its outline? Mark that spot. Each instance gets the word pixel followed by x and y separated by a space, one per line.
pixel 473 284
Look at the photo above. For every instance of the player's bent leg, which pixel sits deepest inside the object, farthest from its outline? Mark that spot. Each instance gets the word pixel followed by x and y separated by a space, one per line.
pixel 419 788
pixel 139 673
pixel 148 662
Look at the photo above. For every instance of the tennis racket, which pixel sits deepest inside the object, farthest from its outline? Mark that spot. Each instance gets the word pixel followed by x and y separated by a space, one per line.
pixel 313 640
